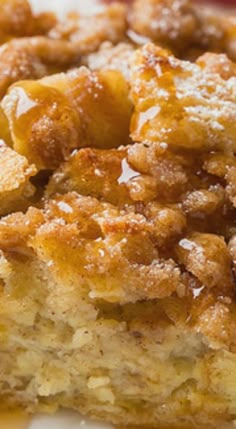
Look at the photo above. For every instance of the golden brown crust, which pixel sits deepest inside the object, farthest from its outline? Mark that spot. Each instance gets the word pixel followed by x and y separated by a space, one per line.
pixel 43 123
pixel 67 111
pixel 92 172
pixel 18 20
pixel 171 23
pixel 184 27
pixel 182 104
pixel 88 229
pixel 206 256
pixel 33 58
pixel 111 57
pixel 15 188
pixel 89 31
pixel 176 24
pixel 216 31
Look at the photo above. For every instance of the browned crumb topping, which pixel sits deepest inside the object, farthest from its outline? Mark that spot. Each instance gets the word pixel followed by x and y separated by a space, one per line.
pixel 154 213
pixel 173 192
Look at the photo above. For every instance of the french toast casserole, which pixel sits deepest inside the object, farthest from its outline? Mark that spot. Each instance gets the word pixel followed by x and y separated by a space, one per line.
pixel 117 204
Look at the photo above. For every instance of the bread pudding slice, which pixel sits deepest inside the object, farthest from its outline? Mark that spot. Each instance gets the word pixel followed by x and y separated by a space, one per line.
pixel 94 318
pixel 118 284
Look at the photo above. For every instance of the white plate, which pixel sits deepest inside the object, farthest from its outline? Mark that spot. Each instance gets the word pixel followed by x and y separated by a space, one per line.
pixel 61 420
pixel 65 420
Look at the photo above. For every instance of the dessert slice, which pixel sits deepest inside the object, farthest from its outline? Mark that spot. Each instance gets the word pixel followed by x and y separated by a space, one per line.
pixel 118 290
pixel 95 318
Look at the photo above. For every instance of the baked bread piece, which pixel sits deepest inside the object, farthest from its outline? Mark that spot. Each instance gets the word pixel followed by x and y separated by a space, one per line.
pixel 184 26
pixel 89 30
pixel 33 58
pixel 26 51
pixel 118 286
pixel 17 20
pixel 180 25
pixel 49 118
pixel 58 45
pixel 15 187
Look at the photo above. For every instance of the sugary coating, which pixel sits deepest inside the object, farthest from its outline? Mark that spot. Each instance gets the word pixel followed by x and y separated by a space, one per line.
pixel 16 228
pixel 223 166
pixel 4 128
pixel 232 250
pixel 170 23
pixel 33 58
pixel 127 175
pixel 43 124
pixel 183 26
pixel 118 253
pixel 142 173
pixel 108 176
pixel 204 201
pixel 67 111
pixel 111 57
pixel 93 172
pixel 180 103
pixel 15 188
pixel 231 184
pixel 218 163
pixel 17 20
pixel 118 274
pixel 166 223
pixel 216 31
pixel 217 64
pixel 168 171
pixel 108 23
pixel 216 321
pixel 206 256
pixel 105 243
